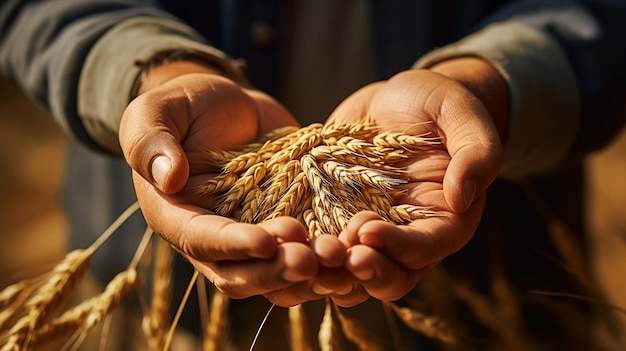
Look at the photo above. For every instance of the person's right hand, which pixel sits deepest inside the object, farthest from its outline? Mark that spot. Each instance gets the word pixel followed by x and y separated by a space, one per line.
pixel 163 132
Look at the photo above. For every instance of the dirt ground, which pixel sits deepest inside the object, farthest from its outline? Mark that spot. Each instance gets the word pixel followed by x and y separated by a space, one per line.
pixel 33 227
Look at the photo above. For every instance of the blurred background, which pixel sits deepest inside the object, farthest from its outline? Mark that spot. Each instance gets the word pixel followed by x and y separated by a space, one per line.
pixel 33 229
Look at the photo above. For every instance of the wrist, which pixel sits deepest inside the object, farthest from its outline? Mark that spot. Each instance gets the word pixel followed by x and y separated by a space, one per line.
pixel 159 71
pixel 485 82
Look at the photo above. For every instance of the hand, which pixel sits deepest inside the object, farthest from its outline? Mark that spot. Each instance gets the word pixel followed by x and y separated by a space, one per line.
pixel 184 108
pixel 387 261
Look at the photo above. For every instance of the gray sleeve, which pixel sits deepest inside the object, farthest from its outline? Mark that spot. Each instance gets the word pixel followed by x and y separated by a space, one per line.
pixel 544 108
pixel 47 47
pixel 110 73
pixel 564 62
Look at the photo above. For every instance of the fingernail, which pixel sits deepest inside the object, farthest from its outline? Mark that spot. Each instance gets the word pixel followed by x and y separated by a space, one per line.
pixel 161 167
pixel 469 192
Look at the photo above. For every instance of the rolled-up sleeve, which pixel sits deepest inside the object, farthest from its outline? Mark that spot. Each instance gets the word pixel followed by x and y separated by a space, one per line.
pixel 544 99
pixel 564 64
pixel 112 67
pixel 78 58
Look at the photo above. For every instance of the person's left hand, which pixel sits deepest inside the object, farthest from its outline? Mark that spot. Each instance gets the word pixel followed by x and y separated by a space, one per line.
pixel 386 261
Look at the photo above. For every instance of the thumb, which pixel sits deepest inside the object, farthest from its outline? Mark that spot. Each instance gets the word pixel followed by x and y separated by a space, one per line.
pixel 152 148
pixel 471 170
pixel 475 150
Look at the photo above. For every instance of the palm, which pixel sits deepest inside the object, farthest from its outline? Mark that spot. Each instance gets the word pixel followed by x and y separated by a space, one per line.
pixel 417 103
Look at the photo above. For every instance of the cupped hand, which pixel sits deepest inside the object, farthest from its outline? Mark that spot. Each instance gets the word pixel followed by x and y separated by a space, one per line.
pixel 385 260
pixel 163 134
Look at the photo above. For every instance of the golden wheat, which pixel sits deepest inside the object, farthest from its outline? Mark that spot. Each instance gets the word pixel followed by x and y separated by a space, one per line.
pixel 155 319
pixel 334 170
pixel 45 299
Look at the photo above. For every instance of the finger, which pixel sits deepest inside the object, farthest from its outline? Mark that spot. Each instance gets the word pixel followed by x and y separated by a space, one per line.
pixel 292 295
pixel 329 250
pixel 286 229
pixel 380 277
pixel 351 297
pixel 471 170
pixel 340 285
pixel 332 280
pixel 199 234
pixel 350 235
pixel 293 263
pixel 475 149
pixel 161 129
pixel 424 241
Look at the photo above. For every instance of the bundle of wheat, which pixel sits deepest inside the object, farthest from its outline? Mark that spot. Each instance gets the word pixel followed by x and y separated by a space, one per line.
pixel 319 174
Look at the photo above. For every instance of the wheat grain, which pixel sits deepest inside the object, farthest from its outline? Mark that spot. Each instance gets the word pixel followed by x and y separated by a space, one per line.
pixel 217 184
pixel 123 283
pixel 46 298
pixel 296 193
pixel 276 186
pixel 11 293
pixel 402 214
pixel 252 177
pixel 359 176
pixel 357 333
pixel 365 130
pixel 294 151
pixel 251 204
pixel 244 161
pixel 217 157
pixel 404 141
pixel 312 224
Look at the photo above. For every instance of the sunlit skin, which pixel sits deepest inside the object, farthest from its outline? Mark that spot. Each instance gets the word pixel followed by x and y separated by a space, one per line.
pixel 185 107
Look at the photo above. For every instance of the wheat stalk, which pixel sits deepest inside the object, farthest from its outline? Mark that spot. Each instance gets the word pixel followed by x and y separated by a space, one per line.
pixel 46 298
pixel 154 321
pixel 430 326
pixel 298 329
pixel 216 327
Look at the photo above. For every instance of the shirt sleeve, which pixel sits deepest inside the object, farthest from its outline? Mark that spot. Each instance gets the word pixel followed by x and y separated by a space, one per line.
pixel 115 63
pixel 77 58
pixel 561 60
